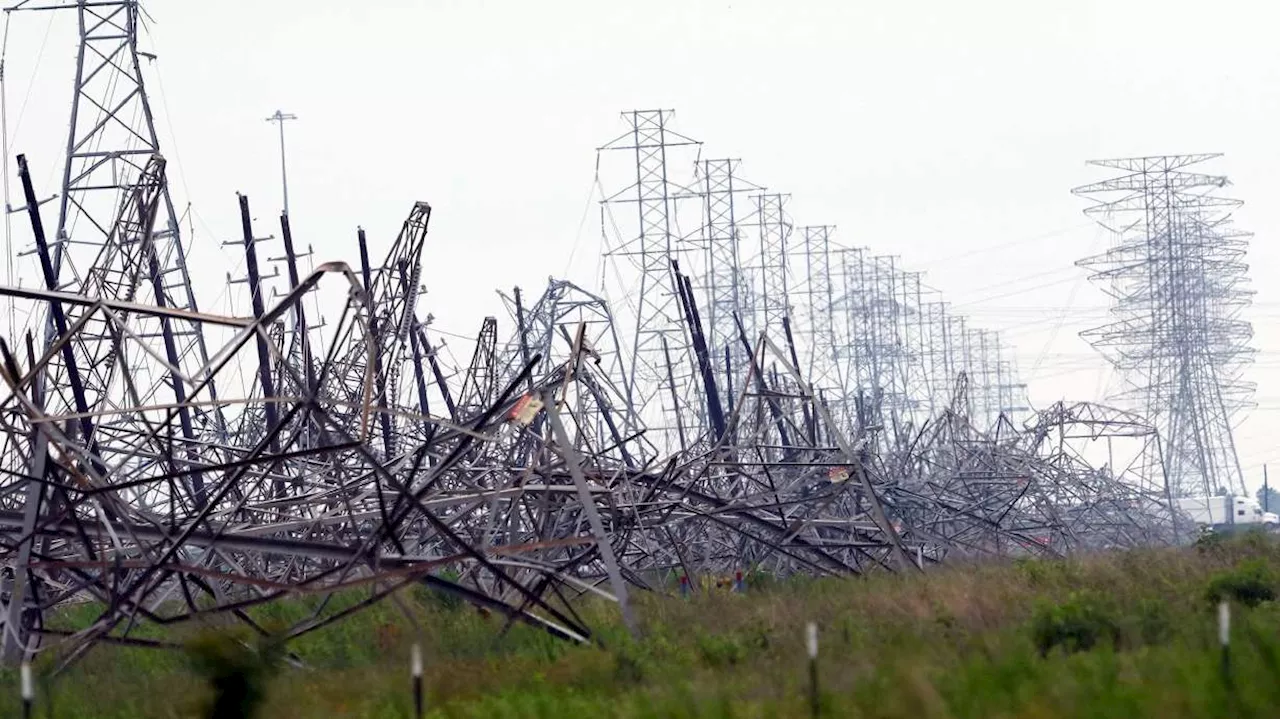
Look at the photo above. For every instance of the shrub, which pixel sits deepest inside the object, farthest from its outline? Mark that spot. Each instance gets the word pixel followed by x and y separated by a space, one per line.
pixel 1040 573
pixel 1250 583
pixel 1153 623
pixel 1078 624
pixel 720 650
pixel 758 579
pixel 1255 541
pixel 237 672
pixel 628 668
pixel 1209 541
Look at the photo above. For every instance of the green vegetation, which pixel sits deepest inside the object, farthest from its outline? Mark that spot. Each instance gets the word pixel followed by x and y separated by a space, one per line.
pixel 1121 635
pixel 1250 584
pixel 1078 624
pixel 237 670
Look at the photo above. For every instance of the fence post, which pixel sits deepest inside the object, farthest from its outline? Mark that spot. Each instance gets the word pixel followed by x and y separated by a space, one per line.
pixel 1224 638
pixel 811 641
pixel 415 661
pixel 28 690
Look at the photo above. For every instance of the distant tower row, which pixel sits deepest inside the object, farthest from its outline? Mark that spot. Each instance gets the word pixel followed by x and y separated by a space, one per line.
pixel 880 350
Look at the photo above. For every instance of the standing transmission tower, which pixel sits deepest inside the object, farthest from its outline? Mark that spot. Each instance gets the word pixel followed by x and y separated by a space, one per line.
pixel 773 268
pixel 111 146
pixel 728 286
pixel 112 137
pixel 1177 277
pixel 659 334
pixel 819 320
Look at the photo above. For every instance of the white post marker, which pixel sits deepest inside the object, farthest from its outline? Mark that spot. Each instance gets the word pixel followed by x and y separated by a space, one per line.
pixel 1224 623
pixel 415 666
pixel 1224 638
pixel 811 642
pixel 28 689
pixel 920 556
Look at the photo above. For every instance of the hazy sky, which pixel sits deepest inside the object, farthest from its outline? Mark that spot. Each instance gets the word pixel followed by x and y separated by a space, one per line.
pixel 948 133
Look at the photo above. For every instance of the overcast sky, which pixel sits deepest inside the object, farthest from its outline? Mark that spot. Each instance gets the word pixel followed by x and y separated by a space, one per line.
pixel 948 133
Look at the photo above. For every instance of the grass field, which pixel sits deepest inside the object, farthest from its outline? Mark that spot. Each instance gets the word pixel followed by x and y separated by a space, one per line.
pixel 1123 635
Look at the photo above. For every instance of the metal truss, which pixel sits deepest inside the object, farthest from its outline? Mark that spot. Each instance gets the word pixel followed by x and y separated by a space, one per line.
pixel 1177 276
pixel 818 322
pixel 728 288
pixel 773 266
pixel 659 334
pixel 855 427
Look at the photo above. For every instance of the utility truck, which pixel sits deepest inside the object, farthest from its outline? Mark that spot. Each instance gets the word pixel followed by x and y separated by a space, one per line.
pixel 1227 513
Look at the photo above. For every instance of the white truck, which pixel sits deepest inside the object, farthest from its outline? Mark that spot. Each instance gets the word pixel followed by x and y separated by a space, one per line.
pixel 1227 512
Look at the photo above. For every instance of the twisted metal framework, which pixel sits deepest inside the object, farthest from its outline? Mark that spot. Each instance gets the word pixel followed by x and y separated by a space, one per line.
pixel 361 462
pixel 1177 275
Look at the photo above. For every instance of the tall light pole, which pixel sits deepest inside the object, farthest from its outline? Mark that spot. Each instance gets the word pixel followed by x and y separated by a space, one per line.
pixel 279 118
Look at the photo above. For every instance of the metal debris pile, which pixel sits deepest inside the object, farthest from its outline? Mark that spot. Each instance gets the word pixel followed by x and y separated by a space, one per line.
pixel 172 465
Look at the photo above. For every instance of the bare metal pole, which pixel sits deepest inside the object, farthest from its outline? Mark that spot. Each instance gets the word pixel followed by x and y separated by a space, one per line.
pixel 279 118
pixel 573 462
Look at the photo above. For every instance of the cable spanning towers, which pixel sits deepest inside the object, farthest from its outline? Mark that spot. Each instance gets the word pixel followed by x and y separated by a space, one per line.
pixel 1177 277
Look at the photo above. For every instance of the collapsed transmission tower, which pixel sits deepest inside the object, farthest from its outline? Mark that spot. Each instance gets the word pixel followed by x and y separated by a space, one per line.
pixel 1177 277
pixel 117 238
pixel 580 457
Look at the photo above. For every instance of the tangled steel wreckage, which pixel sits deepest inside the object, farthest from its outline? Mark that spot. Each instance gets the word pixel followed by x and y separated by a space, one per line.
pixel 767 400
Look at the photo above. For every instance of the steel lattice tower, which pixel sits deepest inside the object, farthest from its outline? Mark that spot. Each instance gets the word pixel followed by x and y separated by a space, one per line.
pixel 912 338
pixel 534 476
pixel 939 360
pixel 660 345
pixel 728 288
pixel 986 377
pixel 848 349
pixel 820 321
pixel 774 272
pixel 111 141
pixel 112 137
pixel 1177 277
pixel 117 238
